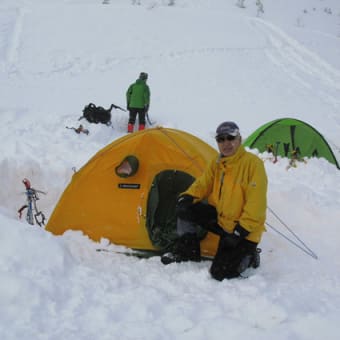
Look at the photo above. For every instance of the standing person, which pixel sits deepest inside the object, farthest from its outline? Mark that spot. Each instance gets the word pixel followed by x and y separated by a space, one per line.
pixel 138 101
pixel 235 186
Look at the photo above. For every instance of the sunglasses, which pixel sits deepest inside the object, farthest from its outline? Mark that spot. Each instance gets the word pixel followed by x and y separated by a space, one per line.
pixel 221 139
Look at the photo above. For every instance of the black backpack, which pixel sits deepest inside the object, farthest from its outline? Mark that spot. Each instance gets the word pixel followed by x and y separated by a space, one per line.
pixel 97 114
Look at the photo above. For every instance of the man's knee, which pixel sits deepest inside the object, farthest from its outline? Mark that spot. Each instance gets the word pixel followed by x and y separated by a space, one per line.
pixel 204 214
pixel 199 213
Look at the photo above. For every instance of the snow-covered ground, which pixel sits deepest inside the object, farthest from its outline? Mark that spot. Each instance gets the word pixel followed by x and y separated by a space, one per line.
pixel 208 61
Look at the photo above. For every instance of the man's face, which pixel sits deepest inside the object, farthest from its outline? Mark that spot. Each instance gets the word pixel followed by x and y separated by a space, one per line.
pixel 228 145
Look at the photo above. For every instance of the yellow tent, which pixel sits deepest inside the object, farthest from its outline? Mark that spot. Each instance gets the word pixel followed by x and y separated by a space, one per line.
pixel 127 192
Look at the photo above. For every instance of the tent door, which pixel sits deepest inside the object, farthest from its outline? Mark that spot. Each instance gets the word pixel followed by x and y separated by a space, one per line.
pixel 161 217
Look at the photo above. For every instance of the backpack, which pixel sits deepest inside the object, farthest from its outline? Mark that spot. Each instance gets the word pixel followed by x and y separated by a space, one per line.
pixel 97 114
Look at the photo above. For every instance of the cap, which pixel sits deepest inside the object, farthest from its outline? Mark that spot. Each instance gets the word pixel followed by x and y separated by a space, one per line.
pixel 227 128
pixel 143 76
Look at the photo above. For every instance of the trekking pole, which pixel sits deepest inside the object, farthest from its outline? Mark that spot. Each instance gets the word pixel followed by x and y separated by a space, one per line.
pixel 305 248
pixel 118 107
pixel 148 119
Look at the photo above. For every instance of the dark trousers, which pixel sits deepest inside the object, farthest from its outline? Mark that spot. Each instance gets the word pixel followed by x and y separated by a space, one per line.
pixel 228 262
pixel 133 112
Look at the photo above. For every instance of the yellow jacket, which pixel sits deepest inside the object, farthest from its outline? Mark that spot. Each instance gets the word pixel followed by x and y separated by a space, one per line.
pixel 237 187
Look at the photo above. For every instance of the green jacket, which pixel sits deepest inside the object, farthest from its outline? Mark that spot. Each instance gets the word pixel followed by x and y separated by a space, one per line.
pixel 138 95
pixel 237 187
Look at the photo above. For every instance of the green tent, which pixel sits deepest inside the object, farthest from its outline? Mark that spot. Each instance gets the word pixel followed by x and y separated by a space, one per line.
pixel 288 137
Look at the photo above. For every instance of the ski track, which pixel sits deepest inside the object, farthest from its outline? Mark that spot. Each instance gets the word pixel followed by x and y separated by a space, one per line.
pixel 6 29
pixel 76 65
pixel 300 63
pixel 10 36
pixel 283 51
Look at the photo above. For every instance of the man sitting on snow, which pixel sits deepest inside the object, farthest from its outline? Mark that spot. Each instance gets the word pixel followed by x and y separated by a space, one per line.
pixel 235 185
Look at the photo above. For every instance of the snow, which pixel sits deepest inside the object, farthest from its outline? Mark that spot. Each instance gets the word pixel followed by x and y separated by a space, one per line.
pixel 208 61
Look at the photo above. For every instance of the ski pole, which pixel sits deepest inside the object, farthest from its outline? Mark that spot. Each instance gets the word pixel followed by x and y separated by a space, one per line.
pixel 148 119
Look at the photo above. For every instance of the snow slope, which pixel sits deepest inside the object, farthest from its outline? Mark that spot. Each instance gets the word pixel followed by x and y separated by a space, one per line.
pixel 208 61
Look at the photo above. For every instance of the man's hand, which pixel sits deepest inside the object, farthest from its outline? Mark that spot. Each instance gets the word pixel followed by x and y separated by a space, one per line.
pixel 232 240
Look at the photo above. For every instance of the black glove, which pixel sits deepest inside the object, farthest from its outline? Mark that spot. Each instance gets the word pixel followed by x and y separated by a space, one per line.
pixel 232 240
pixel 184 203
pixel 146 108
pixel 215 228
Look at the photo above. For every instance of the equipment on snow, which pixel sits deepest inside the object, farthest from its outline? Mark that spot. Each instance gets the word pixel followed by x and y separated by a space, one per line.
pixel 291 137
pixel 295 159
pixel 142 254
pixel 97 114
pixel 276 151
pixel 79 129
pixel 148 119
pixel 132 253
pixel 32 211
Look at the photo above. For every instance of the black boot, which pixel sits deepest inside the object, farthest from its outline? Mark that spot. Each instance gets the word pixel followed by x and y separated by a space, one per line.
pixel 255 262
pixel 187 248
pixel 250 261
